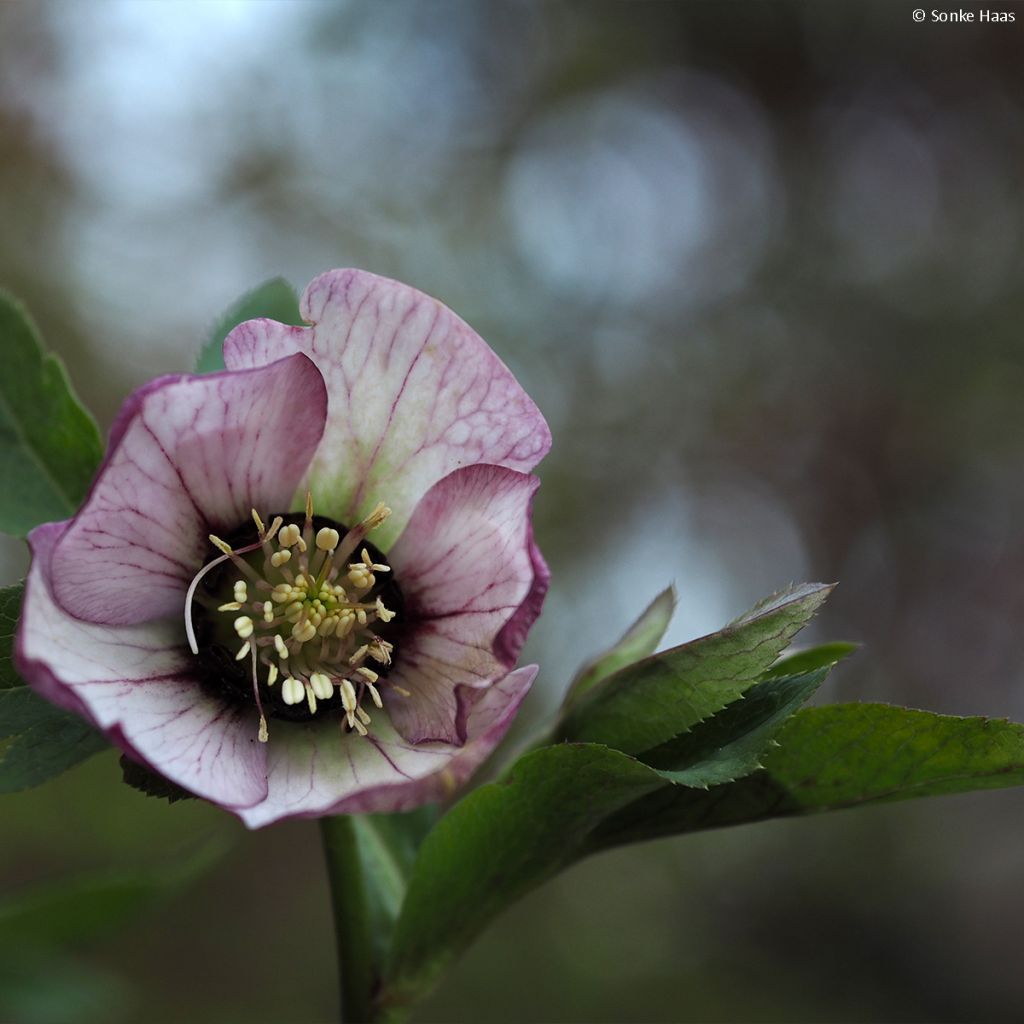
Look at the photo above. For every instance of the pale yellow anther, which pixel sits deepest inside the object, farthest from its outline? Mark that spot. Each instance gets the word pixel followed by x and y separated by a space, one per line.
pixel 279 646
pixel 311 699
pixel 371 564
pixel 304 631
pixel 375 694
pixel 259 523
pixel 346 620
pixel 361 616
pixel 322 685
pixel 243 651
pixel 220 545
pixel 360 728
pixel 376 517
pixel 348 696
pixel 368 673
pixel 231 606
pixel 264 734
pixel 292 691
pixel 384 614
pixel 327 627
pixel 327 538
pixel 244 626
pixel 360 577
pixel 278 558
pixel 309 504
pixel 272 675
pixel 241 591
pixel 288 536
pixel 274 527
pixel 359 654
pixel 380 651
pixel 268 612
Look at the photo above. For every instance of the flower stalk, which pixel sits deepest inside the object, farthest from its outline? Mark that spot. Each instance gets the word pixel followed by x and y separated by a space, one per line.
pixel 352 923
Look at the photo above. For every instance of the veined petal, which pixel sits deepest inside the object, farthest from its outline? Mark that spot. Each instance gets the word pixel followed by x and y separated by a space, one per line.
pixel 188 456
pixel 317 771
pixel 133 683
pixel 509 642
pixel 473 582
pixel 414 394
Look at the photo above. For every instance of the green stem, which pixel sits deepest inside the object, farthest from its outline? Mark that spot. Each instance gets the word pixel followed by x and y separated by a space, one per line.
pixel 351 919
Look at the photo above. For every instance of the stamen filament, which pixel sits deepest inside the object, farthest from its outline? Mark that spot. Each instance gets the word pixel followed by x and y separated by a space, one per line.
pixel 190 594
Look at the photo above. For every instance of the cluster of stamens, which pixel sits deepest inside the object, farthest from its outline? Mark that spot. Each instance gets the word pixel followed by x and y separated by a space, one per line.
pixel 306 616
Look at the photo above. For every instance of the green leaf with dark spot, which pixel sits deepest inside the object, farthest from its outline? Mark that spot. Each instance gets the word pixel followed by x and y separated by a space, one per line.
pixel 49 445
pixel 651 701
pixel 731 744
pixel 639 641
pixel 834 757
pixel 38 741
pixel 497 843
pixel 822 656
pixel 274 299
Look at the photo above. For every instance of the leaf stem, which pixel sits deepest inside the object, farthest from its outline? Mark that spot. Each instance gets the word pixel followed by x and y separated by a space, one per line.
pixel 351 919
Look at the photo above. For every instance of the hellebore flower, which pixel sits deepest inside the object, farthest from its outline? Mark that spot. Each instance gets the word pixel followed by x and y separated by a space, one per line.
pixel 300 586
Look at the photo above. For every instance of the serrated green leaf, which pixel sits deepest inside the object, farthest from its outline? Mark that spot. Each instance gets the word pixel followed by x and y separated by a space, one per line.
pixel 49 445
pixel 10 610
pixel 834 757
pixel 652 701
pixel 149 783
pixel 274 299
pixel 497 843
pixel 56 742
pixel 20 710
pixel 639 641
pixel 38 741
pixel 731 744
pixel 508 837
pixel 822 656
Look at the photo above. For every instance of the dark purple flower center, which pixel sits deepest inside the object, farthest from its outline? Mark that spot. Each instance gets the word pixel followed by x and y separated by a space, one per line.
pixel 299 618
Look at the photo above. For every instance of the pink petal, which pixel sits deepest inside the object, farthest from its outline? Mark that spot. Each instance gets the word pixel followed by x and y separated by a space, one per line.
pixel 133 683
pixel 414 394
pixel 473 582
pixel 509 642
pixel 317 771
pixel 188 456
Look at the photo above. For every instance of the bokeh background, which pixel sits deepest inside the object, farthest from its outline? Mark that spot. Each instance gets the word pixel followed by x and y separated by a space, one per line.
pixel 760 264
